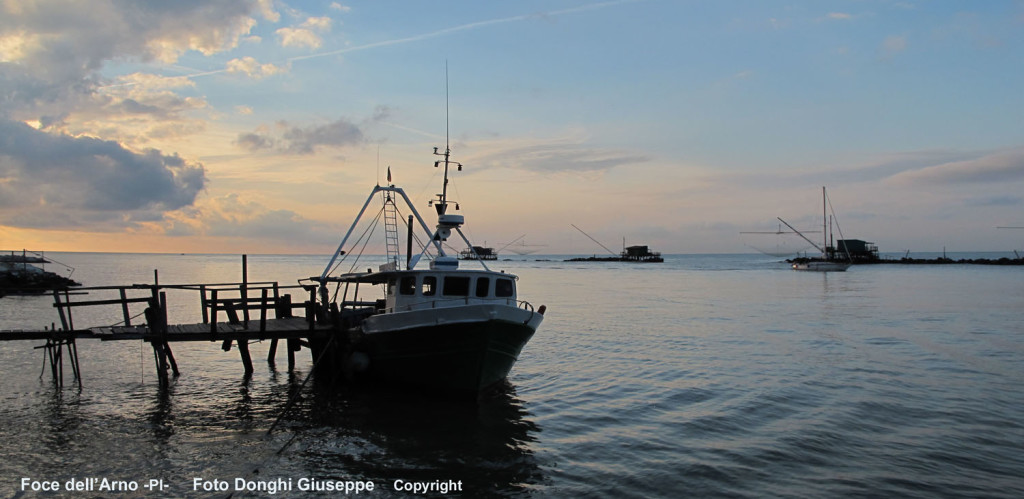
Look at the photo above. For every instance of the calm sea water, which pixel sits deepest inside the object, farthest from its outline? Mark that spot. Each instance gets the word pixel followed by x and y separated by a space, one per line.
pixel 705 376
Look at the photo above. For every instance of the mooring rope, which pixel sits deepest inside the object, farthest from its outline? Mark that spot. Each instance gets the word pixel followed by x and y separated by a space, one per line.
pixel 296 393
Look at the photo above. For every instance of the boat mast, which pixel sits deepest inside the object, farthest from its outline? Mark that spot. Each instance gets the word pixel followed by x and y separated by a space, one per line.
pixel 441 205
pixel 824 226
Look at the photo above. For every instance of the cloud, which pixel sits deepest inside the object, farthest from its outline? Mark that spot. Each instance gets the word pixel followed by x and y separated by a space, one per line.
pixel 54 50
pixel 338 133
pixel 254 142
pixel 469 26
pixel 302 140
pixel 566 155
pixel 839 15
pixel 62 39
pixel 232 216
pixel 306 34
pixel 250 67
pixel 295 139
pixel 893 45
pixel 49 179
pixel 998 201
pixel 266 8
pixel 1003 166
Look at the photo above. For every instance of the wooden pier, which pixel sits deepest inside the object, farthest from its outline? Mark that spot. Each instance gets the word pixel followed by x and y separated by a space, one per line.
pixel 232 314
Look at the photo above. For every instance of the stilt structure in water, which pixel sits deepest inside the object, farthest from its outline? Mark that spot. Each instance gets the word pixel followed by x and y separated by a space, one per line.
pixel 232 313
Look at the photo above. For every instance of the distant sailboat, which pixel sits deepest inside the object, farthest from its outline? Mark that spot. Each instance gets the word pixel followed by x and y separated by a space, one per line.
pixel 828 261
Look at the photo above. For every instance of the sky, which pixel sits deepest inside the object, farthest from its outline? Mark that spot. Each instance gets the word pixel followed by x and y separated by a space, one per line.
pixel 260 126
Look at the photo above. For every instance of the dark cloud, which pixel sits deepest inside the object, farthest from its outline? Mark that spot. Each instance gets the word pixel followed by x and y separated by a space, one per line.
pixel 253 142
pixel 339 133
pixel 72 178
pixel 62 175
pixel 306 140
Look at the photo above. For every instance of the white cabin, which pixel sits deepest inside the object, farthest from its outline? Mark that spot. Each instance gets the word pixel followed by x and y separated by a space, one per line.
pixel 427 289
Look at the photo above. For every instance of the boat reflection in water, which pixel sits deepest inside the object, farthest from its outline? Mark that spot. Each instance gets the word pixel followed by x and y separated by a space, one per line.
pixel 392 435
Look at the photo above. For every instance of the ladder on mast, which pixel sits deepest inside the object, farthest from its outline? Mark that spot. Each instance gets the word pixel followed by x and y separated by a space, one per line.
pixel 391 229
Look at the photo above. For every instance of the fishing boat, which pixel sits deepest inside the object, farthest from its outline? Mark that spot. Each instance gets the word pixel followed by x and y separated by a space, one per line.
pixel 433 324
pixel 828 261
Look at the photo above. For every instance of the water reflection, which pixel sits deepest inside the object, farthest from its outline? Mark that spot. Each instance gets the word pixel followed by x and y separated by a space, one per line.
pixel 385 436
pixel 62 421
pixel 160 416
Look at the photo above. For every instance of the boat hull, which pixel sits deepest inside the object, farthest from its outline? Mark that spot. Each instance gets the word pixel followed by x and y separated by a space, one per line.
pixel 467 351
pixel 822 266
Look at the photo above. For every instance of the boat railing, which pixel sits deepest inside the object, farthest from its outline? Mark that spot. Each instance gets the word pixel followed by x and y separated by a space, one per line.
pixel 457 301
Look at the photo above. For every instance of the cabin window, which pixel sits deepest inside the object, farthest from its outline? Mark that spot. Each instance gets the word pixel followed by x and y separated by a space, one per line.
pixel 503 288
pixel 408 285
pixel 483 285
pixel 429 285
pixel 456 286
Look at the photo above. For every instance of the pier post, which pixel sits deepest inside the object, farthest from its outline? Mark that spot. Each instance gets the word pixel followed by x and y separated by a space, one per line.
pixel 245 290
pixel 73 357
pixel 263 311
pixel 156 317
pixel 243 349
pixel 202 303
pixel 163 334
pixel 272 354
pixel 60 310
pixel 124 308
pixel 293 346
pixel 213 311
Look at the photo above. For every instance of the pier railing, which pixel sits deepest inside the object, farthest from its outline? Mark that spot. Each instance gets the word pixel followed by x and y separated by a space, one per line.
pixel 230 312
pixel 239 302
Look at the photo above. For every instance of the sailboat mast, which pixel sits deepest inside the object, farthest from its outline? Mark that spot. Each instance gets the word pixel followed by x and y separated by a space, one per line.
pixel 824 220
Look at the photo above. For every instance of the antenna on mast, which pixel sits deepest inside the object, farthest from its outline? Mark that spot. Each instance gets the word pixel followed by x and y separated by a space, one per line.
pixel 441 204
pixel 446 104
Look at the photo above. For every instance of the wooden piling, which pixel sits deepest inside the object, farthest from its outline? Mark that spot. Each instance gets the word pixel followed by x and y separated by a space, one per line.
pixel 203 303
pixel 213 311
pixel 163 335
pixel 124 308
pixel 156 316
pixel 245 289
pixel 293 346
pixel 263 311
pixel 243 348
pixel 272 354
